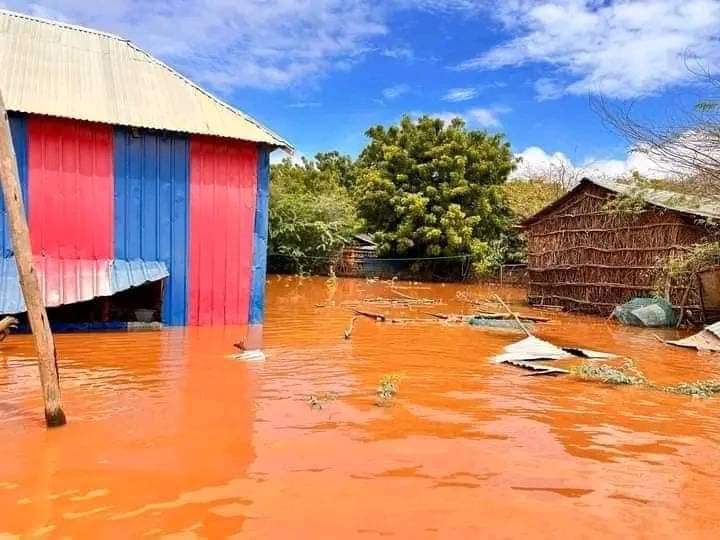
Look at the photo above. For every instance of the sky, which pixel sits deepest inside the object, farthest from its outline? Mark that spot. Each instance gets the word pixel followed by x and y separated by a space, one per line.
pixel 321 72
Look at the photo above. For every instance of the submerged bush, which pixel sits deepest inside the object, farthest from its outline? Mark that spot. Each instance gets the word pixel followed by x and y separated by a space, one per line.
pixel 626 374
pixel 705 388
pixel 387 388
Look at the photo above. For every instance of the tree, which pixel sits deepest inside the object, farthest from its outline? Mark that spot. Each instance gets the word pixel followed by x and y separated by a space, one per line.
pixel 431 188
pixel 311 214
pixel 527 197
pixel 340 166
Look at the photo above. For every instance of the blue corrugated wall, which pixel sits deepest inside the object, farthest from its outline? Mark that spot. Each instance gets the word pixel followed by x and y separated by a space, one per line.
pixel 260 238
pixel 151 208
pixel 18 129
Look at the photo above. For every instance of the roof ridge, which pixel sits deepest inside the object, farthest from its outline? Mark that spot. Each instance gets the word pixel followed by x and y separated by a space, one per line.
pixel 62 24
pixel 209 95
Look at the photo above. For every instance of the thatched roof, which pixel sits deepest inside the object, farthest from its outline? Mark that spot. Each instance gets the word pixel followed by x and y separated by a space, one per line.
pixel 667 200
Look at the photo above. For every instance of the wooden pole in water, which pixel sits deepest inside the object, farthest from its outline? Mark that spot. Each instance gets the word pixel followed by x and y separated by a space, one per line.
pixel 514 315
pixel 20 236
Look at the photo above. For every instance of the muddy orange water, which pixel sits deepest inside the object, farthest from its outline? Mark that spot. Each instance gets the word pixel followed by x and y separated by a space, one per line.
pixel 167 436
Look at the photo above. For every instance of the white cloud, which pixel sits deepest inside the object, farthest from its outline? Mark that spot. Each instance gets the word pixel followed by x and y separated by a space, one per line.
pixel 394 92
pixel 229 44
pixel 486 117
pixel 536 161
pixel 278 156
pixel 481 117
pixel 546 89
pixel 399 53
pixel 304 105
pixel 623 49
pixel 460 94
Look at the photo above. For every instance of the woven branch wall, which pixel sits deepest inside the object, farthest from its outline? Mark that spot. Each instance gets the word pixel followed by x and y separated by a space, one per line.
pixel 586 259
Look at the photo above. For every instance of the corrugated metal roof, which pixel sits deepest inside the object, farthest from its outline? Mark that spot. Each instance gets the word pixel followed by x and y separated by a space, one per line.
pixel 669 200
pixel 67 281
pixel 68 71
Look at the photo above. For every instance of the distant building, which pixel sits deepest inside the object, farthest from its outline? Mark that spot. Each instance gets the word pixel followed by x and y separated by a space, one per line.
pixel 588 259
pixel 132 175
pixel 357 258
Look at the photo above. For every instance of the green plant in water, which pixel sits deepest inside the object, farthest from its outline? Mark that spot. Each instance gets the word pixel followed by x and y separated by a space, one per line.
pixel 387 388
pixel 686 265
pixel 707 388
pixel 626 374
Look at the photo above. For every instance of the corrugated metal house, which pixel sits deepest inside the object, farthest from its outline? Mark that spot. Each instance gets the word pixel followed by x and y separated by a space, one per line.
pixel 132 174
pixel 586 257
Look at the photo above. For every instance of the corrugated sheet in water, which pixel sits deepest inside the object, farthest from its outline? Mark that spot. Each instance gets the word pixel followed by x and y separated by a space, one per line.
pixel 68 281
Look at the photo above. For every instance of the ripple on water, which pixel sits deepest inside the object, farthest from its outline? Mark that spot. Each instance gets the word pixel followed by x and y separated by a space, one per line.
pixel 167 436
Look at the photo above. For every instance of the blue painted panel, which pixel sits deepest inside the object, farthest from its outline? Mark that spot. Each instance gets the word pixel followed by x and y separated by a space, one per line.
pixel 18 130
pixel 151 208
pixel 260 238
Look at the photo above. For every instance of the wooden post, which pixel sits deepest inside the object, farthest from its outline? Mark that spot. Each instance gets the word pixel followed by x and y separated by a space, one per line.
pixel 20 236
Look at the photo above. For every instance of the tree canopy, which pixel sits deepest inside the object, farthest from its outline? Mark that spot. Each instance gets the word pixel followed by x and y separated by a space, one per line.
pixel 311 212
pixel 428 188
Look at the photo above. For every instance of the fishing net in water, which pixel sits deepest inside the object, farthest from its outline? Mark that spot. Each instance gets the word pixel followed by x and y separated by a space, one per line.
pixel 650 312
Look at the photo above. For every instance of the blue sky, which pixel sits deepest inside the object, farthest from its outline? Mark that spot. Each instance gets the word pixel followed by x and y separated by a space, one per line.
pixel 320 72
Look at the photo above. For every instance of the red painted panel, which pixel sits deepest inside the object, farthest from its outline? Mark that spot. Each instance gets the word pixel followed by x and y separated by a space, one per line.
pixel 223 177
pixel 70 178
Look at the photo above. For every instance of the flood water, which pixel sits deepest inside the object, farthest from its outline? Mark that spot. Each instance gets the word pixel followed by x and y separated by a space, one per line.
pixel 168 437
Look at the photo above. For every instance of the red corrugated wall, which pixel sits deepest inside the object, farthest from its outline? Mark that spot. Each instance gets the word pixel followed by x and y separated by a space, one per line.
pixel 70 178
pixel 223 178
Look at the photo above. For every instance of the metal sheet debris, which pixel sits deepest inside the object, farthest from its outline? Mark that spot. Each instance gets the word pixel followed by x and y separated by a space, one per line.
pixel 707 339
pixel 532 348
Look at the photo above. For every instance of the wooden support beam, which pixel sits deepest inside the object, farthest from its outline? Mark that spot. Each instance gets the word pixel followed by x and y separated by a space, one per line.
pixel 20 236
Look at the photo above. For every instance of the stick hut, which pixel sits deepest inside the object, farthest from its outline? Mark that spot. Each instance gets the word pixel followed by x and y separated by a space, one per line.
pixel 587 257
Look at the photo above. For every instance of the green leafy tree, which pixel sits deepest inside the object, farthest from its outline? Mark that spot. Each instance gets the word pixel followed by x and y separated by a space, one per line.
pixel 338 165
pixel 431 188
pixel 527 197
pixel 311 214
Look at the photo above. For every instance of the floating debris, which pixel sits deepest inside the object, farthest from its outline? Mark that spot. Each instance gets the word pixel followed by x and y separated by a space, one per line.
pixel 537 368
pixel 493 322
pixel 381 317
pixel 532 348
pixel 707 339
pixel 648 312
pixel 349 329
pixel 7 324
pixel 318 401
pixel 249 356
